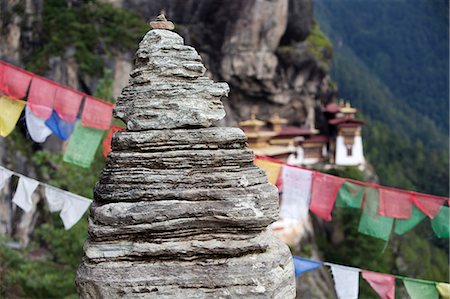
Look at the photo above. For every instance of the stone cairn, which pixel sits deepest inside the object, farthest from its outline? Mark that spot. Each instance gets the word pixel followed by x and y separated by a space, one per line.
pixel 180 210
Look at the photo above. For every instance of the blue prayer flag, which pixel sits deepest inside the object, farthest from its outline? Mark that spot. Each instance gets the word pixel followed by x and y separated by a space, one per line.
pixel 303 265
pixel 59 127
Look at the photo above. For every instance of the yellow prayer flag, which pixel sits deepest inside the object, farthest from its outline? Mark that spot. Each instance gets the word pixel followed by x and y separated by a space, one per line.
pixel 10 111
pixel 443 289
pixel 272 169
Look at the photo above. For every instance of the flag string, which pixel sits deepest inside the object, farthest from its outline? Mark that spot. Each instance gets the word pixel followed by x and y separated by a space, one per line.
pixel 373 185
pixel 43 184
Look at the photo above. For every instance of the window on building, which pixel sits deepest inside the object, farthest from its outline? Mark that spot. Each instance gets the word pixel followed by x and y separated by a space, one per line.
pixel 349 150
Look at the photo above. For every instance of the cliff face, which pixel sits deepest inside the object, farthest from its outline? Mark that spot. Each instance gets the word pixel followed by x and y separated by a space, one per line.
pixel 269 51
pixel 263 49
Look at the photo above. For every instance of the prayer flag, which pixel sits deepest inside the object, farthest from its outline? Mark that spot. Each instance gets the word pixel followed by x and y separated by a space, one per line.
pixel 73 208
pixel 41 97
pixel 24 191
pixel 296 192
pixel 396 204
pixel 350 195
pixel 2 77
pixel 10 113
pixel 429 205
pixel 370 223
pixel 420 289
pixel 5 174
pixel 82 145
pixel 59 127
pixel 15 82
pixel 383 284
pixel 36 126
pixel 404 225
pixel 96 114
pixel 443 289
pixel 346 281
pixel 107 140
pixel 302 265
pixel 440 223
pixel 54 198
pixel 272 169
pixel 67 103
pixel 324 191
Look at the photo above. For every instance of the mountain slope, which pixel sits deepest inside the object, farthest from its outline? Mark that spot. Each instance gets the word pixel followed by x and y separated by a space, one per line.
pixel 404 43
pixel 405 136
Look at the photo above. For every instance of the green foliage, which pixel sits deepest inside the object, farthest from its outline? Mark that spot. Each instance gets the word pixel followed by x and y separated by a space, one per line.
pixel 54 277
pixel 319 45
pixel 316 46
pixel 23 277
pixel 104 89
pixel 365 252
pixel 93 28
pixel 401 163
pixel 404 43
pixel 384 66
pixel 350 172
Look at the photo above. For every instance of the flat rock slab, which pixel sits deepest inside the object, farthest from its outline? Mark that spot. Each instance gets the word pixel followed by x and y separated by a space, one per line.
pixel 189 248
pixel 259 275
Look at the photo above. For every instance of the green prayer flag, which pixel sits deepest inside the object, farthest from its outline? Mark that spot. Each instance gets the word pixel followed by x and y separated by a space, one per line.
pixel 350 196
pixel 404 225
pixel 440 223
pixel 420 289
pixel 370 223
pixel 82 145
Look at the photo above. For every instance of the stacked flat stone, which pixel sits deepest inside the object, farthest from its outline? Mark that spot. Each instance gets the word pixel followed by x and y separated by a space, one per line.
pixel 180 210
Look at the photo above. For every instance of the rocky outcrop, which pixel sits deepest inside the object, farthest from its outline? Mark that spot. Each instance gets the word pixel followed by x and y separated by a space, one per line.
pixel 261 48
pixel 180 210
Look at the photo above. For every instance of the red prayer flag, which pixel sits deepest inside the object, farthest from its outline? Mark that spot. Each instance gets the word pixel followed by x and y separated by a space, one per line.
pixel 108 139
pixel 2 77
pixel 15 82
pixel 383 284
pixel 67 103
pixel 97 114
pixel 41 97
pixel 429 205
pixel 324 191
pixel 395 204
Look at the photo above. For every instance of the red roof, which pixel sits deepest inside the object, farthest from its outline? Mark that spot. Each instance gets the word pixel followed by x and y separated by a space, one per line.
pixel 317 139
pixel 348 125
pixel 345 119
pixel 293 132
pixel 332 108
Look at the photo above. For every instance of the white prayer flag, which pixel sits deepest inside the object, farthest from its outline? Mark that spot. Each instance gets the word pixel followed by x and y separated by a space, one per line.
pixel 346 281
pixel 5 174
pixel 24 190
pixel 55 199
pixel 296 192
pixel 73 208
pixel 36 126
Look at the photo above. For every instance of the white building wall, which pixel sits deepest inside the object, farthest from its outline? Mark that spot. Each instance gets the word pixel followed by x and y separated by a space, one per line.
pixel 300 158
pixel 357 156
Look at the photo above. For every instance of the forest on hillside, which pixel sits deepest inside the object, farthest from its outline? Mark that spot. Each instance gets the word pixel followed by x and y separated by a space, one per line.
pixel 391 61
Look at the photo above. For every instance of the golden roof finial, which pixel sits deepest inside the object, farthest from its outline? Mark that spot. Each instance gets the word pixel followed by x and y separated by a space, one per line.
pixel 276 119
pixel 341 103
pixel 252 122
pixel 348 109
pixel 161 22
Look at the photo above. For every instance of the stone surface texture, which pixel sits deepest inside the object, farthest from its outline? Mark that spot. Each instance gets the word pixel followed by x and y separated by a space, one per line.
pixel 180 210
